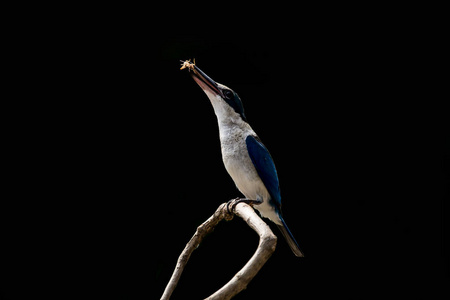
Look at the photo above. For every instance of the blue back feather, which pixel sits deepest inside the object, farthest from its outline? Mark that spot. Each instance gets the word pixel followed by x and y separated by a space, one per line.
pixel 265 167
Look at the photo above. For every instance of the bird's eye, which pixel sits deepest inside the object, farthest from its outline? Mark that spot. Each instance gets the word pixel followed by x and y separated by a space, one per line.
pixel 228 94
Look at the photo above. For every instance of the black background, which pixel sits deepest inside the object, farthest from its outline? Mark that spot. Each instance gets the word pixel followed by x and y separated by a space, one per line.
pixel 117 161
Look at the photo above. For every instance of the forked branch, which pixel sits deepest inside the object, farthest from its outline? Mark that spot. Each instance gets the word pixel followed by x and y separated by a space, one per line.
pixel 267 244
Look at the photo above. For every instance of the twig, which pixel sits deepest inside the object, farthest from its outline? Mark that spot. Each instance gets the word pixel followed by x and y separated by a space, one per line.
pixel 195 241
pixel 267 244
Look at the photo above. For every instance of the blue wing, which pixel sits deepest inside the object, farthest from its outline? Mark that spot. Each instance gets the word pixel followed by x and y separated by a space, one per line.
pixel 265 167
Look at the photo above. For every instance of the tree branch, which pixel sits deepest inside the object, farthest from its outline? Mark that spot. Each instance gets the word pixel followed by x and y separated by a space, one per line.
pixel 267 244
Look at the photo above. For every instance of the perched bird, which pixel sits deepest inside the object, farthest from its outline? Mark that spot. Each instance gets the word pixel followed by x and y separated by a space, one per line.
pixel 245 157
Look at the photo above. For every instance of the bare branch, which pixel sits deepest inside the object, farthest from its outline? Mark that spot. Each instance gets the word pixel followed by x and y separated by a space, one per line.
pixel 195 241
pixel 267 244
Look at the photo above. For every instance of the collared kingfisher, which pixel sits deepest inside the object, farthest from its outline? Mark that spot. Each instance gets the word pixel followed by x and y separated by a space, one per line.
pixel 245 157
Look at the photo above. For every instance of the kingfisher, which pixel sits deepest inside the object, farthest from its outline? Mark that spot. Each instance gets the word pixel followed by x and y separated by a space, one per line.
pixel 245 157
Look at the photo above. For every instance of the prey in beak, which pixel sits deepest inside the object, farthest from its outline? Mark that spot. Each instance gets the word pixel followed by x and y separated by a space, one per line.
pixel 203 80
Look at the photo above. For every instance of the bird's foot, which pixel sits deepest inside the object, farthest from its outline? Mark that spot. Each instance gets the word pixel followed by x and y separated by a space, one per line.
pixel 234 202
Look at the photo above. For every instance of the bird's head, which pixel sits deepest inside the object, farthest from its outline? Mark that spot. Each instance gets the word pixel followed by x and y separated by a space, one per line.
pixel 225 101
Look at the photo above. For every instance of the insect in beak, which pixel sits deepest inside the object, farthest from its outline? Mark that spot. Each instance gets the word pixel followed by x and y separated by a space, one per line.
pixel 187 64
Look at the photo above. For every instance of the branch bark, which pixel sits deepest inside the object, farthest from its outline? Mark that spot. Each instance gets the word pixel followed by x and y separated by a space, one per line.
pixel 266 247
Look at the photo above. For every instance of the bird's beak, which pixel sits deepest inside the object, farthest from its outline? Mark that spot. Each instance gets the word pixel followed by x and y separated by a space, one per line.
pixel 205 82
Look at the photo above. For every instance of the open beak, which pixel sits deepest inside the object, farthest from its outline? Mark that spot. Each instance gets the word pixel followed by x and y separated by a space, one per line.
pixel 205 82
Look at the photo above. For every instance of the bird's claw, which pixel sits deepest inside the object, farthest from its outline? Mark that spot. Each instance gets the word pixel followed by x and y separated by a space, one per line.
pixel 234 202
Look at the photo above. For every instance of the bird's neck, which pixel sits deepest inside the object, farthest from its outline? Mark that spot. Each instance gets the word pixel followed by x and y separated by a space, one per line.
pixel 233 127
pixel 229 118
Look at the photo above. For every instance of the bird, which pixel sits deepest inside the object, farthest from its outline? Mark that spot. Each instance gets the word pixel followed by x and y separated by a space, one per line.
pixel 245 157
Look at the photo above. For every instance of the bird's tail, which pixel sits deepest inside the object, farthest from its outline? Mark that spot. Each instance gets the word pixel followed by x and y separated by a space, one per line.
pixel 290 238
